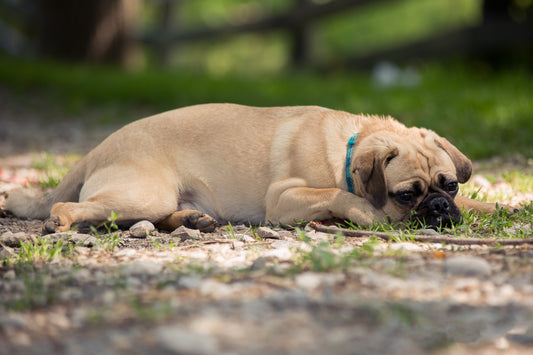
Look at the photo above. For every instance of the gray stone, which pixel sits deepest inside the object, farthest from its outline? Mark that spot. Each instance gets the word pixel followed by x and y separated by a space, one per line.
pixel 185 233
pixel 283 244
pixel 10 275
pixel 267 233
pixel 86 240
pixel 258 264
pixel 82 275
pixel 7 252
pixel 143 267
pixel 180 340
pixel 385 265
pixel 190 281
pixel 13 320
pixel 10 239
pixel 427 232
pixel 55 237
pixel 141 229
pixel 467 266
pixel 246 238
pixel 319 236
pixel 313 280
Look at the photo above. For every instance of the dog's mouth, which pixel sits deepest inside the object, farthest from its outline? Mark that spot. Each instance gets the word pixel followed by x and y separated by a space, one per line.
pixel 436 211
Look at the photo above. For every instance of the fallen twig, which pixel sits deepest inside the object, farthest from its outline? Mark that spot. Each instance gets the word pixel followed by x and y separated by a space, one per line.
pixel 319 227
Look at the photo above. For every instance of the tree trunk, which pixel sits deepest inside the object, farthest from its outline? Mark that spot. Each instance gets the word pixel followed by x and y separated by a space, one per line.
pixel 87 30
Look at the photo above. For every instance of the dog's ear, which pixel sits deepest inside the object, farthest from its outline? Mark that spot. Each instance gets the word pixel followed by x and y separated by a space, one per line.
pixel 369 172
pixel 463 165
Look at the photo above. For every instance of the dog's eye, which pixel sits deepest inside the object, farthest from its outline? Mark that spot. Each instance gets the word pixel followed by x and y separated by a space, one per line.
pixel 452 187
pixel 405 197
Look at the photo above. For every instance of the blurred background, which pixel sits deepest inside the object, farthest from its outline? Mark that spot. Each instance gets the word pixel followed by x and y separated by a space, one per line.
pixel 258 37
pixel 460 67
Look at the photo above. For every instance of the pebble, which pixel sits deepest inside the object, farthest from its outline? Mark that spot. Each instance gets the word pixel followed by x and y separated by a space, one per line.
pixel 15 239
pixel 216 288
pixel 190 282
pixel 185 233
pixel 10 275
pixel 404 246
pixel 82 275
pixel 246 238
pixel 259 264
pixel 12 320
pixel 319 236
pixel 282 254
pixel 181 340
pixel 467 266
pixel 86 240
pixel 141 229
pixel 6 252
pixel 282 244
pixel 143 268
pixel 385 265
pixel 267 233
pixel 314 280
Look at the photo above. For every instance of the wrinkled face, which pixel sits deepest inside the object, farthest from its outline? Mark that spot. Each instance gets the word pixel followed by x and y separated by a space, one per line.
pixel 413 174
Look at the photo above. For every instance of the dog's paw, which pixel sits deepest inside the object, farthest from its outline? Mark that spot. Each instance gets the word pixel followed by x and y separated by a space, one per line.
pixel 50 225
pixel 506 209
pixel 53 225
pixel 200 221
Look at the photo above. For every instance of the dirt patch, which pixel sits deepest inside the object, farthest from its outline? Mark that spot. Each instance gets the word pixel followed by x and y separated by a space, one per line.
pixel 233 292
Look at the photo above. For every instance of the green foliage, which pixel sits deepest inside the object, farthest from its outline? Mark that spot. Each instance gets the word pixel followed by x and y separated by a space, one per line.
pixel 355 31
pixel 40 251
pixel 35 291
pixel 229 229
pixel 484 113
pixel 502 225
pixel 111 239
pixel 52 169
pixel 391 23
pixel 31 265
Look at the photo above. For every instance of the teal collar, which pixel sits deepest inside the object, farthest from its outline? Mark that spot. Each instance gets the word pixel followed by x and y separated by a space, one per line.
pixel 349 153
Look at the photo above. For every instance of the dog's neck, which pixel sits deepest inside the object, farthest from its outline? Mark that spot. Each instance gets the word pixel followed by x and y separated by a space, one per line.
pixel 348 170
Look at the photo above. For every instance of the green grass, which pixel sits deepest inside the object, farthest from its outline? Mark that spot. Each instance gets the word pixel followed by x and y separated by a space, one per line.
pixel 326 256
pixel 503 225
pixel 360 30
pixel 52 168
pixel 484 113
pixel 111 238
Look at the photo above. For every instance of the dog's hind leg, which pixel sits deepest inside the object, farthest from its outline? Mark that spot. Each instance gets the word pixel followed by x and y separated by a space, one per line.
pixel 152 198
pixel 97 209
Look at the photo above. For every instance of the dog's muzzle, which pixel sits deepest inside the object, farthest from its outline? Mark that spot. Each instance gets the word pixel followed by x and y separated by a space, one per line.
pixel 437 211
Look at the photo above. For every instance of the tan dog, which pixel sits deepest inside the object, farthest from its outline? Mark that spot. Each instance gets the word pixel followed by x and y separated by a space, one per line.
pixel 221 162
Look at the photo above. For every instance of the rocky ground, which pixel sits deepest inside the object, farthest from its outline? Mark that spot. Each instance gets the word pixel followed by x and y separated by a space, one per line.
pixel 245 290
pixel 262 291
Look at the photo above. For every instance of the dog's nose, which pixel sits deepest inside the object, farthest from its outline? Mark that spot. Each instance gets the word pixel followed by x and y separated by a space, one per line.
pixel 440 205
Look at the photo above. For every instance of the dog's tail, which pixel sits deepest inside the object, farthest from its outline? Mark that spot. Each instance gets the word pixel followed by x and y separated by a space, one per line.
pixel 32 203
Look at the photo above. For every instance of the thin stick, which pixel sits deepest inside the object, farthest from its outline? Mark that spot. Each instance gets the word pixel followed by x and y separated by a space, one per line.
pixel 319 227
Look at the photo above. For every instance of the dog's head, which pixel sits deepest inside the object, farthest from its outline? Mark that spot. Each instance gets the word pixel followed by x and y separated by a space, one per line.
pixel 412 173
